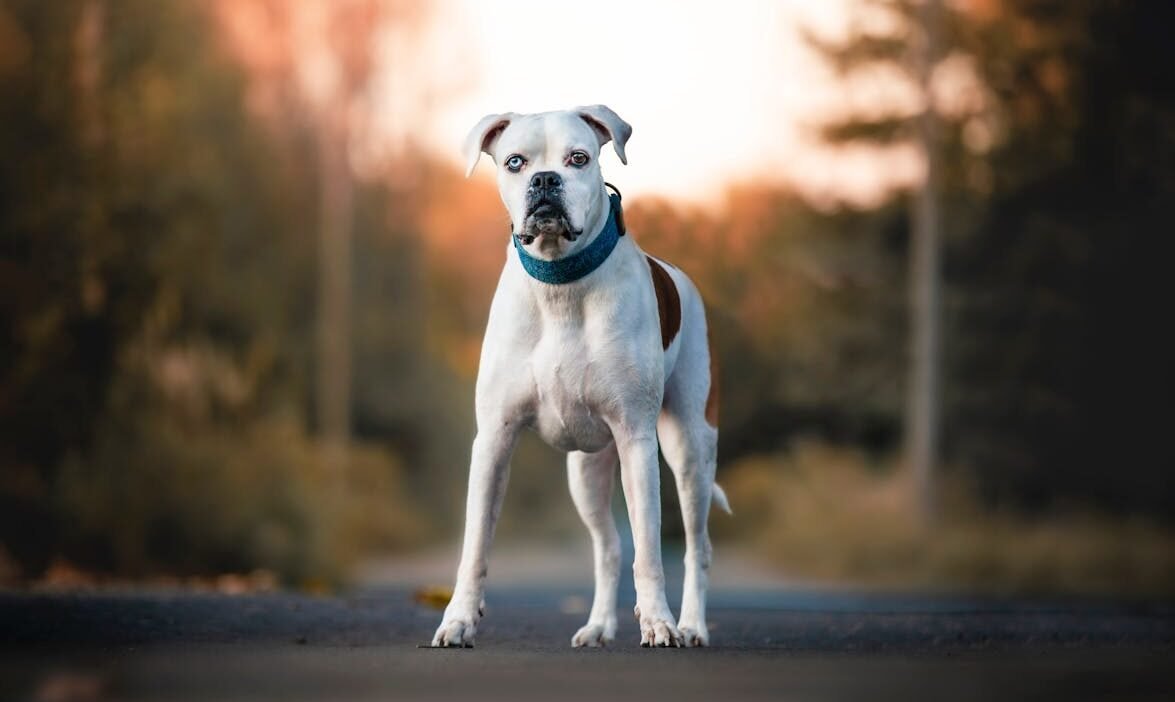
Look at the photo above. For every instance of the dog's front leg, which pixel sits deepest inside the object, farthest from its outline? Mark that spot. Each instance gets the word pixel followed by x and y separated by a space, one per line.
pixel 642 492
pixel 489 471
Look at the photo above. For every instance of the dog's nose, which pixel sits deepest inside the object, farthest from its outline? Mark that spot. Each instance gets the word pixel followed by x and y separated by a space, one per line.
pixel 545 180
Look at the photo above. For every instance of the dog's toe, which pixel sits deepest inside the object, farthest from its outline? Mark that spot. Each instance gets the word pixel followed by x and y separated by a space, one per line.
pixel 694 637
pixel 666 635
pixel 660 633
pixel 593 635
pixel 455 633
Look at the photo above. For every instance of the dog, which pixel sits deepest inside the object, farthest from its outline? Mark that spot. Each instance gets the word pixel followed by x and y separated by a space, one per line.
pixel 603 351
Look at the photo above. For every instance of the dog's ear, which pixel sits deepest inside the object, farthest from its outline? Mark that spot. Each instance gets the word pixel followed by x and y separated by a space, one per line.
pixel 482 137
pixel 608 127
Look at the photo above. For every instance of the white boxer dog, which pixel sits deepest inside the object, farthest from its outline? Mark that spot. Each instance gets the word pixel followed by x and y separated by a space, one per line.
pixel 603 351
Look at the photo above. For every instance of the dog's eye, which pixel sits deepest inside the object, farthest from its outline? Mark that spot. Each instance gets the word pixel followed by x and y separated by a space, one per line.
pixel 578 159
pixel 515 163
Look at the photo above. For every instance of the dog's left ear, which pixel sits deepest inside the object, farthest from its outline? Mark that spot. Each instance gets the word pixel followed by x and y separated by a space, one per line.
pixel 608 127
pixel 482 137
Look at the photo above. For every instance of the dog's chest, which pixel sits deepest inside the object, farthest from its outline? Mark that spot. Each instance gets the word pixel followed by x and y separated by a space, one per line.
pixel 571 391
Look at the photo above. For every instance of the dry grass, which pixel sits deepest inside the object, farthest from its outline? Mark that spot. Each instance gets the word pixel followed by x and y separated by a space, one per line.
pixel 828 513
pixel 176 501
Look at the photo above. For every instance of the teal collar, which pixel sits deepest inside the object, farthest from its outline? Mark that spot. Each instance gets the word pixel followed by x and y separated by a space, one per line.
pixel 571 268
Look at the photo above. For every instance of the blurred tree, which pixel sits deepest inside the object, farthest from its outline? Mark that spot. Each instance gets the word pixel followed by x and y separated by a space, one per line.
pixel 156 321
pixel 803 310
pixel 137 202
pixel 321 62
pixel 1066 271
pixel 910 42
pixel 60 321
pixel 1057 127
pixel 923 404
pixel 312 77
pixel 346 58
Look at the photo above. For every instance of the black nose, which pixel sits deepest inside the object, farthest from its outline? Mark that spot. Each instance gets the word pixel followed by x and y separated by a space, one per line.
pixel 545 180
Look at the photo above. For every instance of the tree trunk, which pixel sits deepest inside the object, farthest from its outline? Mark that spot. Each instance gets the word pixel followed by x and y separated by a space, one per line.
pixel 922 401
pixel 333 382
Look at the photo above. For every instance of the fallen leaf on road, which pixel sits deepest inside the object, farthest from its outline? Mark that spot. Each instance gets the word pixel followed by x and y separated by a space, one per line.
pixel 434 596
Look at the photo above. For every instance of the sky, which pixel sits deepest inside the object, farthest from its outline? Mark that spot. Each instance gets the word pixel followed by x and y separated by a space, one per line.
pixel 717 93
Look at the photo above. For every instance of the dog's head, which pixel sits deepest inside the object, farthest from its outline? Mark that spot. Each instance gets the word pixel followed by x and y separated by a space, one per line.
pixel 549 172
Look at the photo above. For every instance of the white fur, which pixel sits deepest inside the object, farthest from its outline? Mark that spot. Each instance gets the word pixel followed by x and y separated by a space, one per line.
pixel 582 364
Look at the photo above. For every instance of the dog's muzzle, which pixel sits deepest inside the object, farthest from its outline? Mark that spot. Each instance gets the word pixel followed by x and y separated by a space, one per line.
pixel 545 212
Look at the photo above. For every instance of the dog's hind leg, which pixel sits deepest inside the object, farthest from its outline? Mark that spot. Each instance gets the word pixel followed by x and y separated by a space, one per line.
pixel 690 449
pixel 590 477
pixel 689 441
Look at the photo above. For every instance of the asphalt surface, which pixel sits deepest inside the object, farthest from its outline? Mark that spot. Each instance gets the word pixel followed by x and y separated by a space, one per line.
pixel 779 644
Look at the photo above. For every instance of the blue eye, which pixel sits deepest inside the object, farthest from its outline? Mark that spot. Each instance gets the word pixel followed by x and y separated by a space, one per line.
pixel 515 163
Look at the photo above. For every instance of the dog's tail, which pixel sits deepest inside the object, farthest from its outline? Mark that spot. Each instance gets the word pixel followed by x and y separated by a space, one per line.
pixel 718 496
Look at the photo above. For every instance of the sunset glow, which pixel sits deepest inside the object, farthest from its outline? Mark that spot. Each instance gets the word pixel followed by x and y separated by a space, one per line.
pixel 716 95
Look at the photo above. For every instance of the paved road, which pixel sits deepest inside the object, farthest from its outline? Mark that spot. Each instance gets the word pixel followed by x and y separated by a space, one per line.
pixel 782 644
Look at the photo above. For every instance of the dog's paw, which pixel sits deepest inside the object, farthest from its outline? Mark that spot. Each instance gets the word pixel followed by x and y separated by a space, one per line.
pixel 455 633
pixel 694 634
pixel 458 627
pixel 658 630
pixel 595 634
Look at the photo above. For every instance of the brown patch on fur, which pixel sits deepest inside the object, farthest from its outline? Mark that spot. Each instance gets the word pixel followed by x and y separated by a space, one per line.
pixel 668 302
pixel 712 397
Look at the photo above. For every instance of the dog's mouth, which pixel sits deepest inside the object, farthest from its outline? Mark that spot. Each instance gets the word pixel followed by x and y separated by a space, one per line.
pixel 547 219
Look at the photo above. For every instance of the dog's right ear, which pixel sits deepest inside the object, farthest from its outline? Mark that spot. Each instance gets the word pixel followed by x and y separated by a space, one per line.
pixel 608 127
pixel 482 137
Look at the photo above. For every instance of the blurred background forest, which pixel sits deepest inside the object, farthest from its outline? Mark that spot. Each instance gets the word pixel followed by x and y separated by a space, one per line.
pixel 240 314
